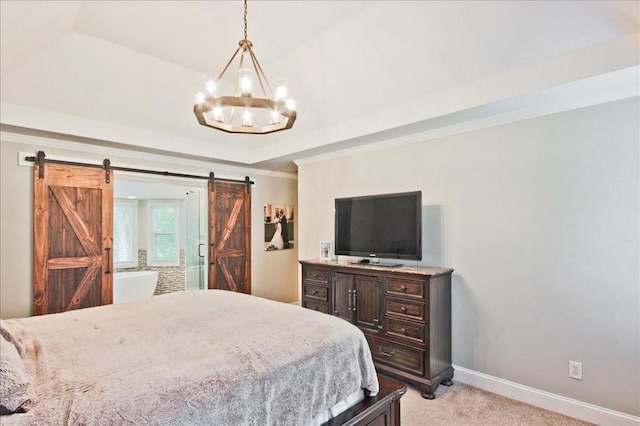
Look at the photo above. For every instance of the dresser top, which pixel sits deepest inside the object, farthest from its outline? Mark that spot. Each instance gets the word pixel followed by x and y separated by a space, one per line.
pixel 424 271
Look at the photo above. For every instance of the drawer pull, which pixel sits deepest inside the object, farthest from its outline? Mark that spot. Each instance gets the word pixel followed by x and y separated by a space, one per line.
pixel 403 309
pixel 403 330
pixel 403 288
pixel 315 308
pixel 314 292
pixel 315 275
pixel 387 354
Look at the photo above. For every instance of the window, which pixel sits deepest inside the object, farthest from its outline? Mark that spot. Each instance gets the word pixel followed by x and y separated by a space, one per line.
pixel 125 233
pixel 163 240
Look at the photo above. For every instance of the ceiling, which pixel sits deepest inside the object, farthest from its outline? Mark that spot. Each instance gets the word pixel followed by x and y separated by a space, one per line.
pixel 363 73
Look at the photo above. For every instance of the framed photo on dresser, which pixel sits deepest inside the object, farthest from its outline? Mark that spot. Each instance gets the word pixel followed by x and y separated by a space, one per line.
pixel 325 250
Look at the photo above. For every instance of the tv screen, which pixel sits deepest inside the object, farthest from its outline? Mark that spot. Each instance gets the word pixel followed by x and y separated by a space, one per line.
pixel 386 226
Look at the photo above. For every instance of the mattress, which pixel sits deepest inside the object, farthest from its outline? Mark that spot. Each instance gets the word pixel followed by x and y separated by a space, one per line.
pixel 195 357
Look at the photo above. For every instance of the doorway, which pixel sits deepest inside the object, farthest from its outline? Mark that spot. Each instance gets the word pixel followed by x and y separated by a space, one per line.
pixel 155 232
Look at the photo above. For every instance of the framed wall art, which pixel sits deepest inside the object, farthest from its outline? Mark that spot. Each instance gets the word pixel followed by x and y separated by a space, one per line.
pixel 278 227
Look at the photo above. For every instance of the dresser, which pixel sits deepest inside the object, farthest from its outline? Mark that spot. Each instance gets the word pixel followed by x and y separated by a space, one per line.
pixel 404 312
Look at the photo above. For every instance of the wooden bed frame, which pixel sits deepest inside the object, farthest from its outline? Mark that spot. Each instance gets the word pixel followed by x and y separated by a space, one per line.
pixel 382 409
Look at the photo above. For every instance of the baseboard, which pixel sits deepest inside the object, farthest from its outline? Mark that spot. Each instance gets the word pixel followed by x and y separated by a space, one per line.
pixel 549 401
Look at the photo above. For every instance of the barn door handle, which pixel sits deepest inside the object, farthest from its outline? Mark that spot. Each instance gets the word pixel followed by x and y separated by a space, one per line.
pixel 108 250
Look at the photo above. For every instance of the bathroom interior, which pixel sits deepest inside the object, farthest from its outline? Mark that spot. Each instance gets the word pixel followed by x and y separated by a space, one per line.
pixel 160 235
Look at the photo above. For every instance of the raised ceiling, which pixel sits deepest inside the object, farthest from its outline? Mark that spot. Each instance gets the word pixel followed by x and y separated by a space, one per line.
pixel 363 73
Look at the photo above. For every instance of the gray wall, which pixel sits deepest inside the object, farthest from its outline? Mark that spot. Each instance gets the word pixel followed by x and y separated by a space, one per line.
pixel 540 221
pixel 273 275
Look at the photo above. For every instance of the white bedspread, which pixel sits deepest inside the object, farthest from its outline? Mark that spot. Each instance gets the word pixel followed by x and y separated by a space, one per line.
pixel 197 357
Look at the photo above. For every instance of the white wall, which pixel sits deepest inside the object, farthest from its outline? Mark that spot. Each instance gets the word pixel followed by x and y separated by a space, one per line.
pixel 273 275
pixel 540 220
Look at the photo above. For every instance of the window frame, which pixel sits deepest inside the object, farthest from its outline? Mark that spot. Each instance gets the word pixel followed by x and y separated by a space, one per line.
pixel 133 263
pixel 151 232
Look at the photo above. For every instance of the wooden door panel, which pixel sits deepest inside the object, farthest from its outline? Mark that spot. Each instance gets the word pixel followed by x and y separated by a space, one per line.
pixel 65 283
pixel 369 302
pixel 231 272
pixel 72 233
pixel 230 236
pixel 79 212
pixel 342 288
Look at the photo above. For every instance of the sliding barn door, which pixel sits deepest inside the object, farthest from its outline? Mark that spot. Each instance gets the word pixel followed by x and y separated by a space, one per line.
pixel 230 236
pixel 73 208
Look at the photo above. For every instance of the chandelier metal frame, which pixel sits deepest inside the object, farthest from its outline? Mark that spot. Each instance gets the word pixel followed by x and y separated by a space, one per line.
pixel 209 106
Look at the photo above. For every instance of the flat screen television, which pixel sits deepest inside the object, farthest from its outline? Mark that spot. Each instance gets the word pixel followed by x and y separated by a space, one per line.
pixel 384 226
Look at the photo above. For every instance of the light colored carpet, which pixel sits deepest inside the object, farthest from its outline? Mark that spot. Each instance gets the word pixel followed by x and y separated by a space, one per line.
pixel 462 404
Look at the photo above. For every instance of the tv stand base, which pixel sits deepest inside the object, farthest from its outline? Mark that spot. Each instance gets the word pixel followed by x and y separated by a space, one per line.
pixel 369 262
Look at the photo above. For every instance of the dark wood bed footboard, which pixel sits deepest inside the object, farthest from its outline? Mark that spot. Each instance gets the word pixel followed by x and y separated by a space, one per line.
pixel 382 409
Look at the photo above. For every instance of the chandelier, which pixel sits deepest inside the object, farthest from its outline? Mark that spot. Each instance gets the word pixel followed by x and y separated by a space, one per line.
pixel 244 112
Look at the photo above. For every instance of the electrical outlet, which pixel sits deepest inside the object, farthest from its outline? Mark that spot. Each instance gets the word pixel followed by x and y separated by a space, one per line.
pixel 575 370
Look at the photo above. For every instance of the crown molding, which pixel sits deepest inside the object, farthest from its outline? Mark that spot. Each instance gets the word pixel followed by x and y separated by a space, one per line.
pixel 609 87
pixel 137 158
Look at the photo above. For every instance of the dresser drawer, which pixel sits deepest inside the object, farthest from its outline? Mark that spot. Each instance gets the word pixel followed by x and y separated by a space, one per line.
pixel 397 356
pixel 314 274
pixel 314 306
pixel 406 308
pixel 405 287
pixel 412 332
pixel 316 292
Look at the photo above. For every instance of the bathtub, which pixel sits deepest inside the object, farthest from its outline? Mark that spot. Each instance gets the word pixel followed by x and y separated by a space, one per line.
pixel 130 286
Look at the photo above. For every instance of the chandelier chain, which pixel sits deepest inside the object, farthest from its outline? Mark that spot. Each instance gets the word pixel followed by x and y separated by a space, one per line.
pixel 245 19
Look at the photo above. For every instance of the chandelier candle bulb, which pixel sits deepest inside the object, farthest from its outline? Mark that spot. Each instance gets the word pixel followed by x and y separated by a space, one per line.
pixel 217 114
pixel 275 117
pixel 200 97
pixel 281 90
pixel 291 104
pixel 245 82
pixel 212 84
pixel 246 118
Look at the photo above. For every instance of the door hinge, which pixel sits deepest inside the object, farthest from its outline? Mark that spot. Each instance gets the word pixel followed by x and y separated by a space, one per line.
pixel 107 170
pixel 40 158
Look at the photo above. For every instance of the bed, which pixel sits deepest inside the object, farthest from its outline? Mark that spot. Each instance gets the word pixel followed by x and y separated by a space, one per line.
pixel 194 357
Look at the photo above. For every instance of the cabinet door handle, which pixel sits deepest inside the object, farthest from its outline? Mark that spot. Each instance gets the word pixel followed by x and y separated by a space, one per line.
pixel 387 354
pixel 376 323
pixel 355 299
pixel 350 302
